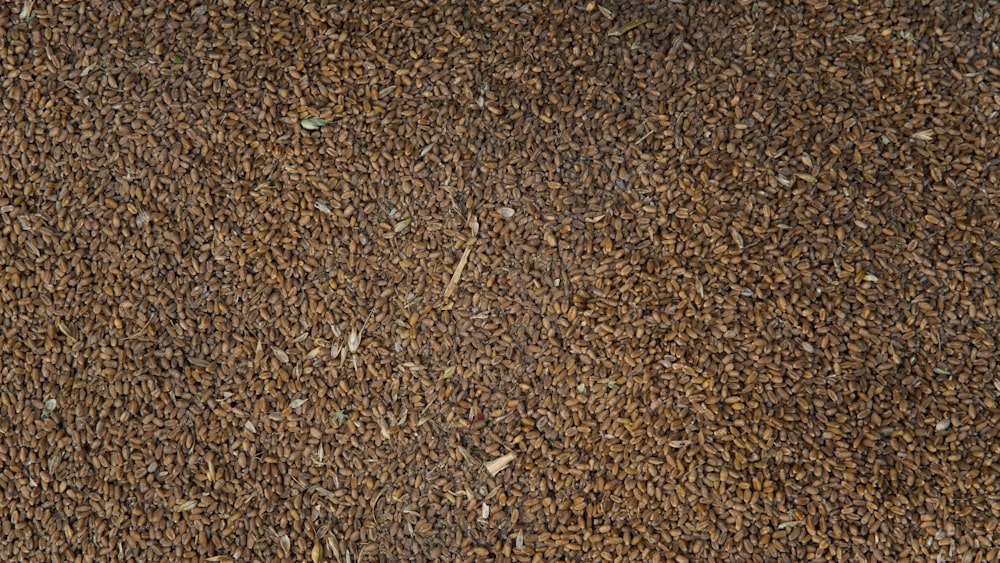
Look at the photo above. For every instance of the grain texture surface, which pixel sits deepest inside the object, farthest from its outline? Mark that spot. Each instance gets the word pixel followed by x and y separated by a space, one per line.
pixel 499 281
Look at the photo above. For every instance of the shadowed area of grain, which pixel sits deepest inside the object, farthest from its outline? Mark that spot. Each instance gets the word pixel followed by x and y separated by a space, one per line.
pixel 499 281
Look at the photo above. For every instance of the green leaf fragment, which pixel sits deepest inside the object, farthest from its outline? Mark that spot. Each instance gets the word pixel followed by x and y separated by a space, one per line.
pixel 313 123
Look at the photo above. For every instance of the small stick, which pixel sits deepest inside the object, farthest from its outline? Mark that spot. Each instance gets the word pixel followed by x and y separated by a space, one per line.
pixel 450 289
pixel 374 29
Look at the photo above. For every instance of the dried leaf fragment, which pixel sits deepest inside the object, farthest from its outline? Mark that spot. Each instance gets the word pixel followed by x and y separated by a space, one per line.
pixel 401 226
pixel 626 27
pixel 792 524
pixel 926 135
pixel 317 551
pixel 806 177
pixel 354 338
pixel 677 444
pixel 87 70
pixel 296 403
pixel 26 9
pixel 313 123
pixel 448 373
pixel 280 354
pixel 498 464
pixel 737 238
pixel 72 333
pixel 468 457
pixel 322 207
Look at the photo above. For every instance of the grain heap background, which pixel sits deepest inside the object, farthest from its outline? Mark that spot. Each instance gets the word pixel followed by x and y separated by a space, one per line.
pixel 728 291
